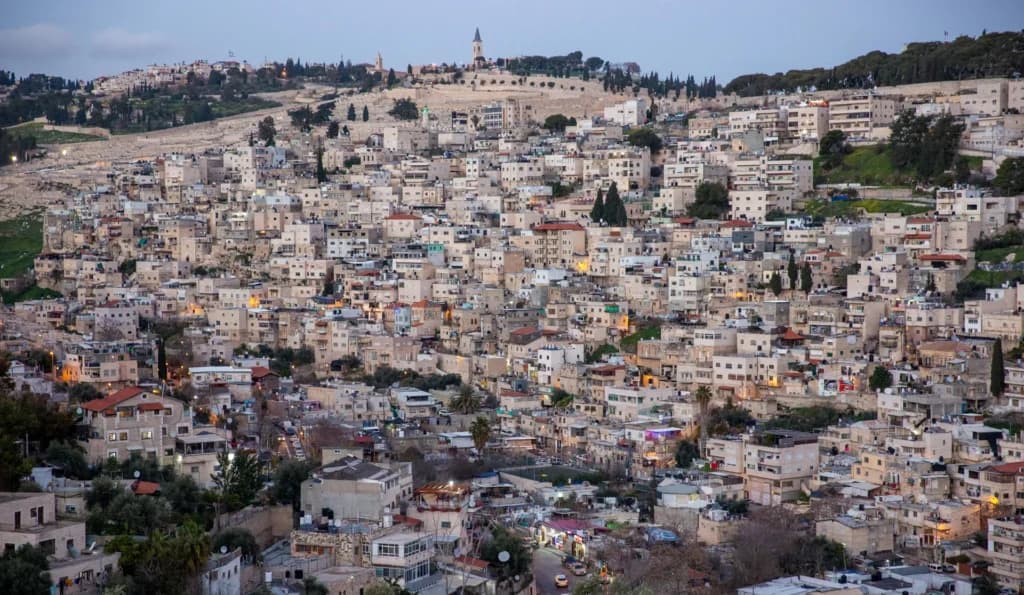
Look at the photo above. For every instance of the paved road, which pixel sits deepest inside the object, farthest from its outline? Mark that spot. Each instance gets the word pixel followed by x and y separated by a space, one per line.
pixel 546 564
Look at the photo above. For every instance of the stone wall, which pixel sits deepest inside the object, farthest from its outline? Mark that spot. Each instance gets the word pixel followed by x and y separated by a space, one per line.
pixel 267 524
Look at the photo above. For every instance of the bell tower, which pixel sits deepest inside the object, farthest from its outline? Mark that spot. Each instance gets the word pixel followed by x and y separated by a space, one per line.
pixel 478 49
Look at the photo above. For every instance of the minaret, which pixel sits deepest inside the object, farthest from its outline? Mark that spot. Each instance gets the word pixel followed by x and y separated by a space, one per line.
pixel 478 48
pixel 379 64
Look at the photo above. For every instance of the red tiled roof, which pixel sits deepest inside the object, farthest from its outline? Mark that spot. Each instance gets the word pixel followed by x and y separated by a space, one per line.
pixel 558 227
pixel 685 220
pixel 791 335
pixel 942 258
pixel 522 332
pixel 261 372
pixel 513 393
pixel 151 407
pixel 920 220
pixel 1008 468
pixel 113 399
pixel 471 562
pixel 737 223
pixel 145 488
pixel 917 236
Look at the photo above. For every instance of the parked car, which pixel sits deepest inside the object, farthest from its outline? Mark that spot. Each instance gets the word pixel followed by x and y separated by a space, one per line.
pixel 578 569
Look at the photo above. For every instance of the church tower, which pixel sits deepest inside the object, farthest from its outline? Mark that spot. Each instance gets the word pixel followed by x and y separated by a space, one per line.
pixel 379 64
pixel 478 49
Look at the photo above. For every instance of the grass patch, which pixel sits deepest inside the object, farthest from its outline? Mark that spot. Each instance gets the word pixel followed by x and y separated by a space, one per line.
pixel 21 240
pixel 853 208
pixel 172 111
pixel 596 355
pixel 51 137
pixel 994 278
pixel 33 292
pixel 629 342
pixel 999 254
pixel 871 166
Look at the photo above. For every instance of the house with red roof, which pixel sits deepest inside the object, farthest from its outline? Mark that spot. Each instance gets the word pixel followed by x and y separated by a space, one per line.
pixel 134 421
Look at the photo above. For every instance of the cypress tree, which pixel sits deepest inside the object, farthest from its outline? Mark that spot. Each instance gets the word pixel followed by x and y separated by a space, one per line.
pixel 614 210
pixel 792 271
pixel 775 283
pixel 597 212
pixel 806 282
pixel 351 112
pixel 366 114
pixel 997 382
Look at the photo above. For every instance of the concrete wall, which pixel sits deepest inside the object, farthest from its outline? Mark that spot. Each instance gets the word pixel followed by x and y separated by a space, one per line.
pixel 267 524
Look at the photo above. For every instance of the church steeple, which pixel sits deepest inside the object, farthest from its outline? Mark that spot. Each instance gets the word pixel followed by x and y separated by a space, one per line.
pixel 478 49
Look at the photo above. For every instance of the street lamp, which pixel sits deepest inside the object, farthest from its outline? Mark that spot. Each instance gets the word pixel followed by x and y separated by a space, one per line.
pixel 53 366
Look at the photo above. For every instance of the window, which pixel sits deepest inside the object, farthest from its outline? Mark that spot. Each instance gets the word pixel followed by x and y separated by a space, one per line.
pixel 146 434
pixel 123 436
pixel 387 549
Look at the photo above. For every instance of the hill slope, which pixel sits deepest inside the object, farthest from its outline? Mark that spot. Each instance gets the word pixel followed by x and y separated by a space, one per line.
pixel 990 55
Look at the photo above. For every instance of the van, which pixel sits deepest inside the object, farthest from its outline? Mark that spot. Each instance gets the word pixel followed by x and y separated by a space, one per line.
pixel 935 567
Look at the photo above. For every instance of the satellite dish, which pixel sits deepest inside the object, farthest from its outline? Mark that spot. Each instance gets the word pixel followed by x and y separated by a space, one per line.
pixel 223 549
pixel 137 474
pixel 503 556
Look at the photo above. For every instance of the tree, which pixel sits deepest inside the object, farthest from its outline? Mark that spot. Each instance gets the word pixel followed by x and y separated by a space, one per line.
pixel 465 402
pixel 711 201
pixel 703 397
pixel 24 571
pixel 237 537
pixel 985 584
pixel 288 478
pixel 366 114
pixel 1009 180
pixel 614 208
pixel 481 432
pixel 70 457
pixel 556 123
pixel 333 129
pixel 806 279
pixel 351 115
pixel 792 271
pixel 519 558
pixel 266 131
pixel 237 479
pixel 597 211
pixel 881 378
pixel 392 79
pixel 321 173
pixel 404 109
pixel 775 283
pixel 832 148
pixel 686 452
pixel 997 381
pixel 645 137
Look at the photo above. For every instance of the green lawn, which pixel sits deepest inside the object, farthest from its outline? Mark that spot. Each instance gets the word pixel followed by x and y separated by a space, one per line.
pixel 870 166
pixel 629 342
pixel 1000 254
pixel 853 208
pixel 21 240
pixel 33 292
pixel 994 278
pixel 51 137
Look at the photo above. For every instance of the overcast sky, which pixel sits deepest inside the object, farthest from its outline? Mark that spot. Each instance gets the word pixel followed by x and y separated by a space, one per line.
pixel 84 39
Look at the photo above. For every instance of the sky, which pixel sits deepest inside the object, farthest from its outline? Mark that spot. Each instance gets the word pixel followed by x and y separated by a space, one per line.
pixel 88 38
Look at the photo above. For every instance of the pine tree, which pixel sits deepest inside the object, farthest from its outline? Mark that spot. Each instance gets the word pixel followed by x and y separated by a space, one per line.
pixel 351 112
pixel 997 382
pixel 792 271
pixel 321 173
pixel 806 281
pixel 775 283
pixel 597 212
pixel 366 114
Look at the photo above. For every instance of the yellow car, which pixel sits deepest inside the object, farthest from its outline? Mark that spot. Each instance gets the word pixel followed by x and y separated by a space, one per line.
pixel 561 580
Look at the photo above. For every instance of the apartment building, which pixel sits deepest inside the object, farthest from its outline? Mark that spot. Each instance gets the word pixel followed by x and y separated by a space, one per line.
pixel 778 464
pixel 107 365
pixel 808 122
pixel 351 488
pixel 1006 550
pixel 773 123
pixel 405 558
pixel 134 421
pixel 628 113
pixel 859 116
pixel 30 519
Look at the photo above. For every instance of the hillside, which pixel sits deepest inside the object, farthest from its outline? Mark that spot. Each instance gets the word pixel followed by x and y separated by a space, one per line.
pixel 990 55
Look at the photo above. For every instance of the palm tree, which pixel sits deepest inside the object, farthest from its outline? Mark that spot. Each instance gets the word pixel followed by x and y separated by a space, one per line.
pixel 703 397
pixel 466 402
pixel 193 546
pixel 481 431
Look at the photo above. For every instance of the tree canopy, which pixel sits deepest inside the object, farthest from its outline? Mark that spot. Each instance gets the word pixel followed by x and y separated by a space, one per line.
pixel 401 109
pixel 712 201
pixel 1009 180
pixel 645 137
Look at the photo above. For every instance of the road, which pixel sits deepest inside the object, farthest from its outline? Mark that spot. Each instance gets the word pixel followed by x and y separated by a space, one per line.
pixel 546 564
